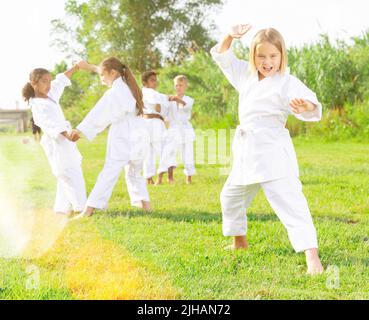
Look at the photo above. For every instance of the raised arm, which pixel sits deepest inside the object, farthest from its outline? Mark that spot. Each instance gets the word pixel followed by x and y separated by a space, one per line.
pixel 236 32
pixel 84 65
pixel 233 68
pixel 69 73
pixel 61 81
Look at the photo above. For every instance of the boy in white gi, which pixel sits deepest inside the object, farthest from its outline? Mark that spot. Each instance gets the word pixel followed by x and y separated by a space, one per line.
pixel 43 95
pixel 155 112
pixel 121 108
pixel 264 155
pixel 180 134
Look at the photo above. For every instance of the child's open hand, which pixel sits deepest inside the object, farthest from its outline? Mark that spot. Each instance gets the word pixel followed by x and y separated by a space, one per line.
pixel 239 30
pixel 301 105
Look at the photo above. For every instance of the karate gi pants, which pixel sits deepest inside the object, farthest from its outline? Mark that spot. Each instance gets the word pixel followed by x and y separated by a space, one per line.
pixel 71 191
pixel 155 152
pixel 108 177
pixel 287 200
pixel 169 156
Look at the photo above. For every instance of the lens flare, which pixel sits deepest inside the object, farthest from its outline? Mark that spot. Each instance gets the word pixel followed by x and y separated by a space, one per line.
pixel 25 231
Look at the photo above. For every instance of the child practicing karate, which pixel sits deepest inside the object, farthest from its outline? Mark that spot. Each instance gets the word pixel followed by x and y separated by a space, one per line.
pixel 264 155
pixel 121 108
pixel 155 112
pixel 43 95
pixel 180 135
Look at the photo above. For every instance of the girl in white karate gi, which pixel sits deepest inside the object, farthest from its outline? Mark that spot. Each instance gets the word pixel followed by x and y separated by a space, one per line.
pixel 155 112
pixel 264 155
pixel 121 108
pixel 43 95
pixel 180 134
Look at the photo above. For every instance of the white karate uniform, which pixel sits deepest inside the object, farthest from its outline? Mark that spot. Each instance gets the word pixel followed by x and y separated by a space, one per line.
pixel 157 131
pixel 63 155
pixel 180 136
pixel 263 152
pixel 126 147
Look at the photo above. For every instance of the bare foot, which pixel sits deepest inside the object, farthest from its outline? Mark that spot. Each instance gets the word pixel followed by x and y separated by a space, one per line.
pixel 160 179
pixel 146 206
pixel 189 180
pixel 150 181
pixel 314 265
pixel 239 243
pixel 171 181
pixel 88 212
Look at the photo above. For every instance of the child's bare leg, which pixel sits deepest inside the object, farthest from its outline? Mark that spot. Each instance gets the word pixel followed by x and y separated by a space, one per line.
pixel 160 179
pixel 189 180
pixel 314 265
pixel 171 175
pixel 239 242
pixel 150 181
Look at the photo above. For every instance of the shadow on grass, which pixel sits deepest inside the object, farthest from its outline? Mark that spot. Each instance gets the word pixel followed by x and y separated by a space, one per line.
pixel 184 215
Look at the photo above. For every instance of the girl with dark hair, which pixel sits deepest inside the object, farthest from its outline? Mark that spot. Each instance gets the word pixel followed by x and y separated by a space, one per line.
pixel 43 95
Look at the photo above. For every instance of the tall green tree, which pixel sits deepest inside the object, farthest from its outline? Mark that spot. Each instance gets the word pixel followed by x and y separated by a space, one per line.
pixel 143 33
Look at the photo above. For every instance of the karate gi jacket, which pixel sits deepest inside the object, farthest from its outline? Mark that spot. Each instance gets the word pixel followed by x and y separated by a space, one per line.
pixel 262 146
pixel 180 128
pixel 48 115
pixel 128 138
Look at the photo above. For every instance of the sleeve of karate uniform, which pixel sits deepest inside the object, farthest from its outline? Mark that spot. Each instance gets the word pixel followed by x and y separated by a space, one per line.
pixel 99 118
pixel 165 105
pixel 297 89
pixel 187 109
pixel 48 121
pixel 58 85
pixel 233 68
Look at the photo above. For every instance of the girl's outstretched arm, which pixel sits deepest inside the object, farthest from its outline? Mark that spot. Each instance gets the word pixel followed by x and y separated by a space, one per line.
pixel 69 73
pixel 84 65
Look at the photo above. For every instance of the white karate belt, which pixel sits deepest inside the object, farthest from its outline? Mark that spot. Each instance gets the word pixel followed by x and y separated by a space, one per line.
pixel 260 123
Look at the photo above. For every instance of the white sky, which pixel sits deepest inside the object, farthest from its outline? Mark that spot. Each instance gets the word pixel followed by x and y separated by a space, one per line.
pixel 25 30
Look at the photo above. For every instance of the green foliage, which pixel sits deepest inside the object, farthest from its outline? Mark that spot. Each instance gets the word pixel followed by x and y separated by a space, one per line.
pixel 338 72
pixel 136 31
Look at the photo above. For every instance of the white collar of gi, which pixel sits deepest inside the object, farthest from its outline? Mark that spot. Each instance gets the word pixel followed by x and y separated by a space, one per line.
pixel 117 82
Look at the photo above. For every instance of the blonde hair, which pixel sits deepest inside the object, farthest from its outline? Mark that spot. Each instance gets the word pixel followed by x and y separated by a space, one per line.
pixel 181 78
pixel 272 36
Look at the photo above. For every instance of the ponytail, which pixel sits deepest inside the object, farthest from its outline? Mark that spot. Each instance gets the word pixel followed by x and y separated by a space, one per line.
pixel 135 89
pixel 28 91
pixel 128 77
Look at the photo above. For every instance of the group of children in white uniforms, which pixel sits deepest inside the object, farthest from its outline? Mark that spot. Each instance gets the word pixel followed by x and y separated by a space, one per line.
pixel 170 130
pixel 264 156
pixel 137 133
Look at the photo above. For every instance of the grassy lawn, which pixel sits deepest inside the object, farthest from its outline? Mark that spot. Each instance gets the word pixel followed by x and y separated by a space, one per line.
pixel 177 251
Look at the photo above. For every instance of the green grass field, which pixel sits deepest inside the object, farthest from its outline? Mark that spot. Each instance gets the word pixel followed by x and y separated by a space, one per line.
pixel 177 251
